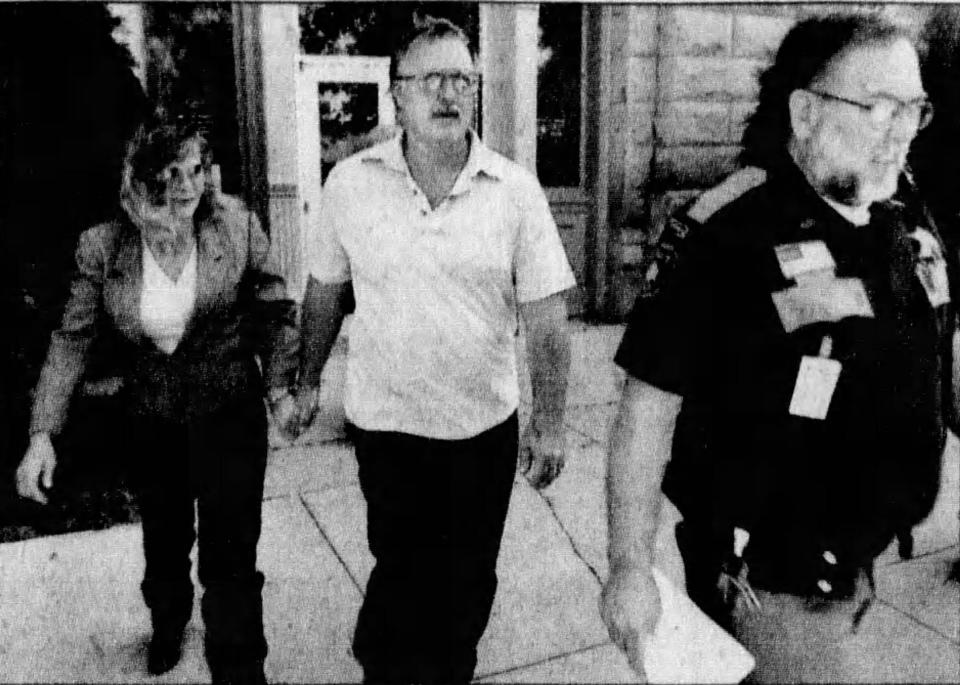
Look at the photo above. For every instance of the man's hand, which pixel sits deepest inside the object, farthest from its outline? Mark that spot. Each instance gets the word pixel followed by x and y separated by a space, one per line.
pixel 36 468
pixel 630 608
pixel 542 454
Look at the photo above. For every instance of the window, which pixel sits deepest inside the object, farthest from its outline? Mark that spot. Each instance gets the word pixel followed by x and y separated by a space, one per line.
pixel 558 95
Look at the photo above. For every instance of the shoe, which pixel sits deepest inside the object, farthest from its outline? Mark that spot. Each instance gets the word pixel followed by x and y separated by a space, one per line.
pixel 164 651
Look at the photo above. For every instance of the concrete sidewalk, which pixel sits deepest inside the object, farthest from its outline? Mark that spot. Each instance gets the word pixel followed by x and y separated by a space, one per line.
pixel 70 608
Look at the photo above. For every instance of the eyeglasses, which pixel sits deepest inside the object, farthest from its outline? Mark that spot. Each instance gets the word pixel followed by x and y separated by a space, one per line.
pixel 885 109
pixel 430 83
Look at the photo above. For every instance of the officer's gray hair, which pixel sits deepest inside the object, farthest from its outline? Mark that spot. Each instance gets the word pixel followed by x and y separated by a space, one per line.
pixel 806 54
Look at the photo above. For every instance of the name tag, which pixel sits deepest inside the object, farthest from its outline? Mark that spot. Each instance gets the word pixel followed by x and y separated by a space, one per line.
pixel 816 381
pixel 803 257
pixel 819 300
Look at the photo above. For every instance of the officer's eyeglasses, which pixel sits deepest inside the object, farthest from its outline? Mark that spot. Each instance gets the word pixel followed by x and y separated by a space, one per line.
pixel 883 110
pixel 464 83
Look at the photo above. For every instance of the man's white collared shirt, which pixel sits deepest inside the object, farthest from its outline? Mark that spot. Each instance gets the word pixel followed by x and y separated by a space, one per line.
pixel 432 342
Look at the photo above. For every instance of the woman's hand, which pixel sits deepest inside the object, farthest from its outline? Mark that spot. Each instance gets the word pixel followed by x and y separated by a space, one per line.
pixel 282 410
pixel 36 468
pixel 306 407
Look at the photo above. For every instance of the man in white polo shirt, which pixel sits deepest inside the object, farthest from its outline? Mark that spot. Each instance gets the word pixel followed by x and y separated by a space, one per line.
pixel 444 242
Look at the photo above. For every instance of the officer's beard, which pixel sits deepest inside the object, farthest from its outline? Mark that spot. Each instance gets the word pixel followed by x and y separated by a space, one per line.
pixel 843 188
pixel 835 181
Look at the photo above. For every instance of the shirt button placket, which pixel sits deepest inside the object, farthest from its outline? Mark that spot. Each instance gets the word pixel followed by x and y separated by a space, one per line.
pixel 421 200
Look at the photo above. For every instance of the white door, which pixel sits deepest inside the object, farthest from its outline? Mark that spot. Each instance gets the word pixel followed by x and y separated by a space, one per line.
pixel 343 105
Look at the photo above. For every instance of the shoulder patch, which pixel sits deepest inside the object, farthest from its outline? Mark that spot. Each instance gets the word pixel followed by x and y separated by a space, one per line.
pixel 662 256
pixel 718 197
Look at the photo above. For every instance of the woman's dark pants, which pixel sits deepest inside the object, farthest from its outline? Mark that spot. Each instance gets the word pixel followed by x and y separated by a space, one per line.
pixel 217 461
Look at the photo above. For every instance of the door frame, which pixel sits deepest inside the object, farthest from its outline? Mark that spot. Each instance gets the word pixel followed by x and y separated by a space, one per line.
pixel 311 70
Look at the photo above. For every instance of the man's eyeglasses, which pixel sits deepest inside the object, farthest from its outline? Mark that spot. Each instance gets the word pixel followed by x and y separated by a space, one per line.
pixel 430 83
pixel 885 109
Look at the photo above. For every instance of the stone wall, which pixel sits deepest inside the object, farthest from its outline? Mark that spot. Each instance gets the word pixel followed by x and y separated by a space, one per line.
pixel 684 81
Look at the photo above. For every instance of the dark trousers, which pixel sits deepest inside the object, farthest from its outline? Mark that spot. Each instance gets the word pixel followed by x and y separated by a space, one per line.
pixel 217 461
pixel 435 516
pixel 704 551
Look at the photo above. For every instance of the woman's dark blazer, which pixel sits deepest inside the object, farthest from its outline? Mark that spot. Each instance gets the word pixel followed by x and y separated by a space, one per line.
pixel 241 312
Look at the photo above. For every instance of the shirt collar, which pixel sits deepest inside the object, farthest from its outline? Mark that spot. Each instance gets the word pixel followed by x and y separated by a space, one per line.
pixel 482 161
pixel 809 207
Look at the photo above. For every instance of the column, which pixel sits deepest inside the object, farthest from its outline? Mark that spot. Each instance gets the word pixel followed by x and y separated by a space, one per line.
pixel 508 60
pixel 267 44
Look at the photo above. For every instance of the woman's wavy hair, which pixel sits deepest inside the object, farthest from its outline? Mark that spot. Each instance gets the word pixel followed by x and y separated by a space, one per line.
pixel 154 146
pixel 805 55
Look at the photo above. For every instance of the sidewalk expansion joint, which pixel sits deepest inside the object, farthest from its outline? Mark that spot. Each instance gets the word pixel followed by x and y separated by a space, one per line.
pixel 540 662
pixel 573 544
pixel 569 425
pixel 326 538
pixel 939 633
pixel 921 555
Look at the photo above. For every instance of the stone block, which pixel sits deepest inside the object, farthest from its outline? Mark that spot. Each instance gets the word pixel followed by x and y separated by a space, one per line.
pixel 739 112
pixel 759 36
pixel 639 124
pixel 641 79
pixel 697 32
pixel 636 172
pixel 694 166
pixel 680 123
pixel 642 30
pixel 708 78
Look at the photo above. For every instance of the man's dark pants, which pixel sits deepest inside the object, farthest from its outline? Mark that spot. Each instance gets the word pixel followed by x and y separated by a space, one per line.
pixel 218 461
pixel 435 516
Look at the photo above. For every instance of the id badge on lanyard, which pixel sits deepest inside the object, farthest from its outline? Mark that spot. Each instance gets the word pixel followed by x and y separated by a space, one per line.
pixel 816 382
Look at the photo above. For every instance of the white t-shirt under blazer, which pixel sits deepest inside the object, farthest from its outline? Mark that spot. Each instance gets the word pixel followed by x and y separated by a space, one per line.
pixel 166 304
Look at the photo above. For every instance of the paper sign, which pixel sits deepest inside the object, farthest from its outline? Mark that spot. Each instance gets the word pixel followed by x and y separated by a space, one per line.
pixel 688 647
pixel 822 300
pixel 933 278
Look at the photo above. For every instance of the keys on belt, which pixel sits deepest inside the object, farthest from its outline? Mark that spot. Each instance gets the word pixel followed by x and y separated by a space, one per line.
pixel 733 579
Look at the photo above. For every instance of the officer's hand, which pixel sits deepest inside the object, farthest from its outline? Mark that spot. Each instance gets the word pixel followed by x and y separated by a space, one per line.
pixel 306 406
pixel 630 608
pixel 542 454
pixel 36 468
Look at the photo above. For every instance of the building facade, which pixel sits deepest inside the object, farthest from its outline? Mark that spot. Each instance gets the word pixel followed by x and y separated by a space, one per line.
pixel 622 110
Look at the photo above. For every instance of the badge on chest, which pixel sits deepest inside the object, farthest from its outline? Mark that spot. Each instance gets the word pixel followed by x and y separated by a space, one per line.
pixel 818 296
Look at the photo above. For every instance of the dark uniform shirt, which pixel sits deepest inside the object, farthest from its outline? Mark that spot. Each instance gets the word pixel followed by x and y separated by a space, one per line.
pixel 713 335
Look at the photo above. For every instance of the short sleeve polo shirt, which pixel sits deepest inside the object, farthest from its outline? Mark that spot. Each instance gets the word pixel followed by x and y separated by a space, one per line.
pixel 432 342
